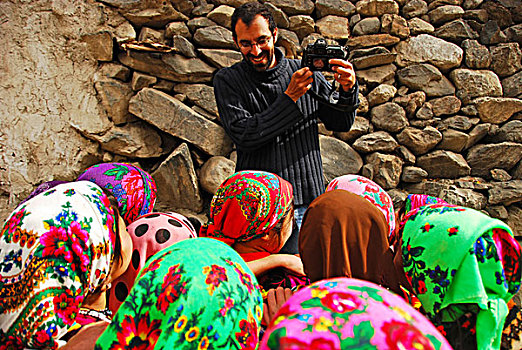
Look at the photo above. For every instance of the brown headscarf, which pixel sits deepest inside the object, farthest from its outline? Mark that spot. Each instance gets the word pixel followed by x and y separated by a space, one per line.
pixel 344 235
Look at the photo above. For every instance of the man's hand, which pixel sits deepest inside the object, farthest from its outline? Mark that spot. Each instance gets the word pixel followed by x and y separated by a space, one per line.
pixel 344 73
pixel 300 83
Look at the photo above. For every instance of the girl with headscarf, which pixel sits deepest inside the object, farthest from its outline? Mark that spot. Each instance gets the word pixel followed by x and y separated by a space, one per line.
pixel 346 313
pixel 464 267
pixel 59 251
pixel 368 190
pixel 133 187
pixel 252 211
pixel 344 235
pixel 150 233
pixel 197 294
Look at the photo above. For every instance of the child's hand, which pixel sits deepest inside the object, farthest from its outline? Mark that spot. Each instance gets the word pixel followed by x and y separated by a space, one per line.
pixel 274 300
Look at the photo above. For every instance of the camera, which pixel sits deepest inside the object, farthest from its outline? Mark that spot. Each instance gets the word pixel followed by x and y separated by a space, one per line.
pixel 316 56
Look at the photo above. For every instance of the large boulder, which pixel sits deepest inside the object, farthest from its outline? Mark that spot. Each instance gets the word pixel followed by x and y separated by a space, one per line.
pixel 338 158
pixel 444 164
pixel 483 158
pixel 386 169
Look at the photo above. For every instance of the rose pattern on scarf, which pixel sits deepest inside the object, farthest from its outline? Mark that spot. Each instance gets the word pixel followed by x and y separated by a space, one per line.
pixel 215 275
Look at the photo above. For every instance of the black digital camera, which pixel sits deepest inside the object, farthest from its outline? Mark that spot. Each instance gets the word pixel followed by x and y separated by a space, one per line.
pixel 316 56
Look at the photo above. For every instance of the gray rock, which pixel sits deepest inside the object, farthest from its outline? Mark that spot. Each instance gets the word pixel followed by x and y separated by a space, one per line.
pixel 333 27
pixel 279 15
pixel 203 9
pixel 381 94
pixel 425 112
pixel 199 22
pixel 372 40
pixel 99 45
pixel 427 78
pixel 290 42
pixel 464 197
pixel 513 85
pixel 511 131
pixel 214 172
pixel 221 58
pixel 386 169
pixel 406 155
pixel 444 164
pixel 361 126
pixel 395 25
pixel 453 140
pixel 377 75
pixel 376 56
pixel 477 55
pixel 139 81
pixel 483 158
pixel 173 117
pixel 429 187
pixel 115 71
pixel 499 13
pixel 471 4
pixel 516 173
pixel 199 94
pixel 506 59
pixel 418 26
pixel 214 37
pixel 477 134
pixel 471 84
pixel 507 193
pixel 379 141
pixel 204 113
pixel 177 179
pixel 177 28
pixel 419 141
pixel 500 175
pixel 164 85
pixel 168 66
pixel 294 7
pixel 135 140
pixel 338 158
pixel 497 211
pixel 413 174
pixel 183 46
pixel 411 102
pixel 515 219
pixel 114 96
pixel 447 105
pixel 456 31
pixel 183 6
pixel 433 4
pixel 446 13
pixel 492 34
pixel 342 8
pixel 415 8
pixel 124 32
pixel 233 3
pixel 153 35
pixel 425 48
pixel 514 33
pixel 398 197
pixel 480 15
pixel 156 17
pixel 497 110
pixel 370 25
pixel 221 15
pixel 458 122
pixel 302 25
pixel 376 8
pixel 389 116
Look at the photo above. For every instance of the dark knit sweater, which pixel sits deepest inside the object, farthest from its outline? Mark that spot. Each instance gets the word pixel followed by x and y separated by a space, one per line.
pixel 271 131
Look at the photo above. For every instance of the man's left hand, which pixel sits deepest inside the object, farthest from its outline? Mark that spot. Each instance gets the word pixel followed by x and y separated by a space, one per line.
pixel 344 73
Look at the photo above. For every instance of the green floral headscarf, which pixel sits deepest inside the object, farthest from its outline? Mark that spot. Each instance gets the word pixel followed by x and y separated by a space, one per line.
pixel 195 294
pixel 460 261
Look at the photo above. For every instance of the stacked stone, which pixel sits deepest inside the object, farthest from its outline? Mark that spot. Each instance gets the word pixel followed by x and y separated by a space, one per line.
pixel 440 82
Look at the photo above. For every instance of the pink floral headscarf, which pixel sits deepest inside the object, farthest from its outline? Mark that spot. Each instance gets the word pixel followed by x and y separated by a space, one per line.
pixel 346 313
pixel 370 191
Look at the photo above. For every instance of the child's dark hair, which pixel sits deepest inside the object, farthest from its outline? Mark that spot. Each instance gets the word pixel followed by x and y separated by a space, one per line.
pixel 289 211
pixel 117 254
pixel 247 12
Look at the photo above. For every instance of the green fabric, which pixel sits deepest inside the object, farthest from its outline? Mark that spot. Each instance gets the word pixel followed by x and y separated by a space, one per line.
pixel 195 294
pixel 450 258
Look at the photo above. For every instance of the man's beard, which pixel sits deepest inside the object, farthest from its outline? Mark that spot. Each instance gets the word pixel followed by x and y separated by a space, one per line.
pixel 261 67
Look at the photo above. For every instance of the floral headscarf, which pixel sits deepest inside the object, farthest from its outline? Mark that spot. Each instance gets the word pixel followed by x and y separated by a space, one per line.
pixel 54 249
pixel 133 187
pixel 414 201
pixel 346 313
pixel 247 205
pixel 370 191
pixel 150 233
pixel 197 294
pixel 460 261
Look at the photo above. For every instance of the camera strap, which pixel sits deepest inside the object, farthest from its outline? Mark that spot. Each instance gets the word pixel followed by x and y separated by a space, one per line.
pixel 332 101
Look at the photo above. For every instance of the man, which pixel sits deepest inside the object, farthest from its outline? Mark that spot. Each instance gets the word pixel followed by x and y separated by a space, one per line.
pixel 265 108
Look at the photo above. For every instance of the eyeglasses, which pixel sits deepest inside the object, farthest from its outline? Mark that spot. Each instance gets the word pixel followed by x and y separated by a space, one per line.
pixel 261 43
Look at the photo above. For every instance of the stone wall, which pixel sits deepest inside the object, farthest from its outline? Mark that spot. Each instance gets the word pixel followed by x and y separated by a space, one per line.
pixel 127 80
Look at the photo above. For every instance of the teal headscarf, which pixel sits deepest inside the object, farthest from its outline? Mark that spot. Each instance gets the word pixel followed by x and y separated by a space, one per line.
pixel 195 294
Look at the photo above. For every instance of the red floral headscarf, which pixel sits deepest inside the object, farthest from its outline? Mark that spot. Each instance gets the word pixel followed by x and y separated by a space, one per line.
pixel 247 205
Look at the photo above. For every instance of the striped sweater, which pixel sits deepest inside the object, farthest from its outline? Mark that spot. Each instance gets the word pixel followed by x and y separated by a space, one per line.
pixel 271 131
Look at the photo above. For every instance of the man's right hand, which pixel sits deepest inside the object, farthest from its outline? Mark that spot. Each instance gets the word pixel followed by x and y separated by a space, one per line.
pixel 300 83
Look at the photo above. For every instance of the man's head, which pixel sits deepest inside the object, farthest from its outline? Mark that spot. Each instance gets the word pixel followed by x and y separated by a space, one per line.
pixel 255 33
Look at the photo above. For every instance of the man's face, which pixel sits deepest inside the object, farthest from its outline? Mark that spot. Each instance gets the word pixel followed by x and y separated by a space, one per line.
pixel 256 43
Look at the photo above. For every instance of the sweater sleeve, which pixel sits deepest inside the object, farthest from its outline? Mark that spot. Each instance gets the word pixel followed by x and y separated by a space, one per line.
pixel 248 130
pixel 342 116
